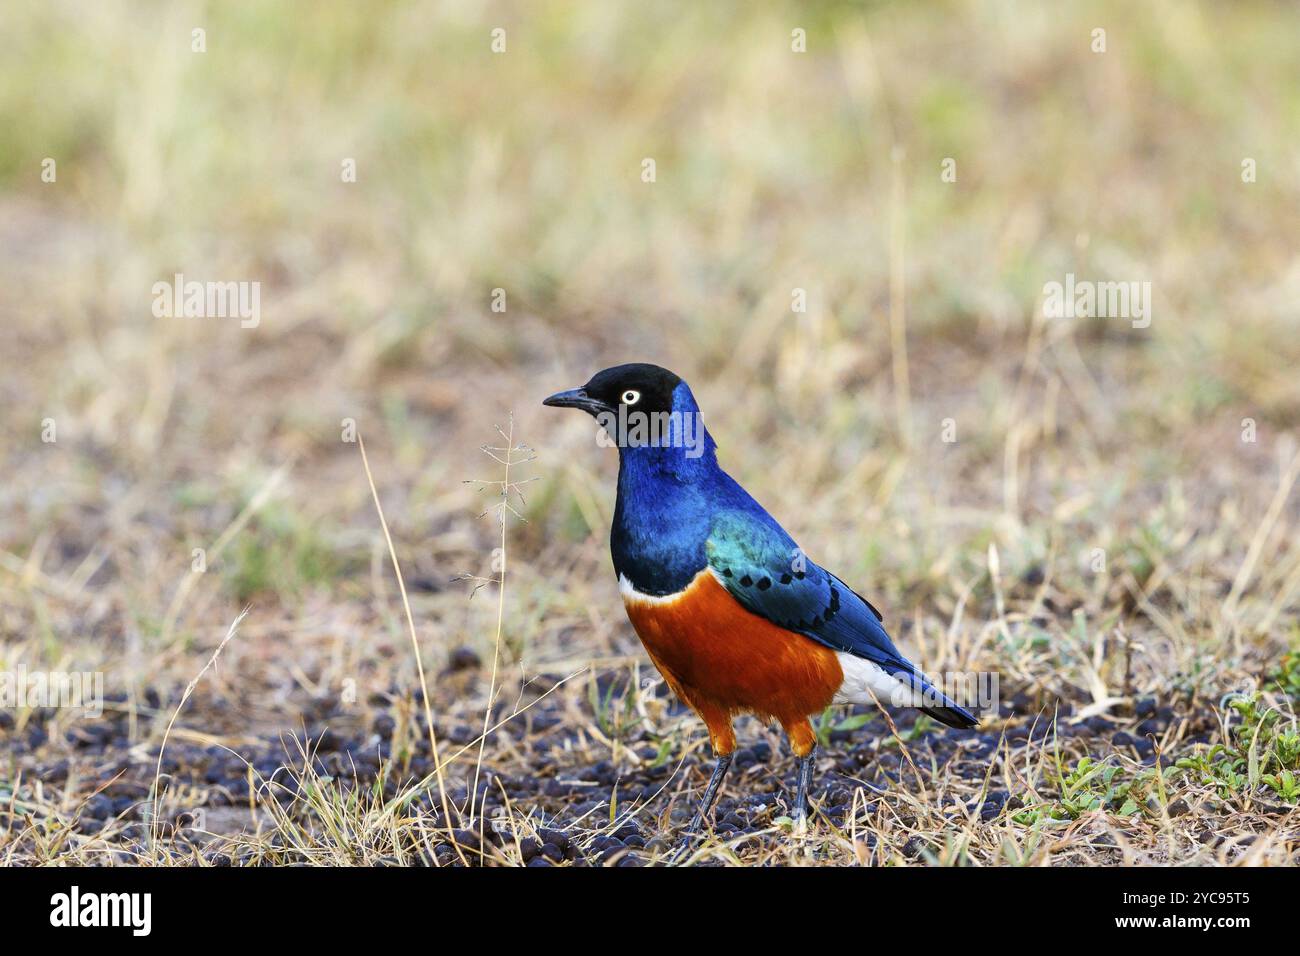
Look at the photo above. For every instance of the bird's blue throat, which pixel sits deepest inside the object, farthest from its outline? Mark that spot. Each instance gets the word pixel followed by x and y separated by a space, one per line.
pixel 677 429
pixel 667 493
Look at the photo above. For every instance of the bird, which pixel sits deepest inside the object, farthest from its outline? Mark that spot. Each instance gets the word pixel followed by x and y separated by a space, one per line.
pixel 733 614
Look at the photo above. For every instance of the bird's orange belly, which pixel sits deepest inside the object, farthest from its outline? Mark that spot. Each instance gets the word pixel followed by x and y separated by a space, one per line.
pixel 720 657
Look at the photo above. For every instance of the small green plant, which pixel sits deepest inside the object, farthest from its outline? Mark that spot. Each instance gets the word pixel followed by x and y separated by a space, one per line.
pixel 1285 784
pixel 1286 677
pixel 1090 786
pixel 614 708
pixel 1256 750
pixel 667 746
pixel 281 554
pixel 827 725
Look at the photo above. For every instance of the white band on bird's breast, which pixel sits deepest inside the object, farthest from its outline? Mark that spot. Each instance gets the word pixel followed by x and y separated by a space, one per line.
pixel 631 595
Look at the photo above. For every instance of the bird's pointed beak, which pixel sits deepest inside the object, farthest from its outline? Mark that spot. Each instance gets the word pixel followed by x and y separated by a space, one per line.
pixel 576 398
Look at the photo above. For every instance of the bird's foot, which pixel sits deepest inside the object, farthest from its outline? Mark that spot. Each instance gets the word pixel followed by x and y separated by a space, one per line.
pixel 693 835
pixel 693 831
pixel 682 849
pixel 800 814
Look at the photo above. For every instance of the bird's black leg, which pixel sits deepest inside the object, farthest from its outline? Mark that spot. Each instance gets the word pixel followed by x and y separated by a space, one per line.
pixel 801 793
pixel 711 791
pixel 710 794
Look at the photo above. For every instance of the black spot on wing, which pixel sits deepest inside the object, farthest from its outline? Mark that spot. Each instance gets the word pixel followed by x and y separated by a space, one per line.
pixel 834 607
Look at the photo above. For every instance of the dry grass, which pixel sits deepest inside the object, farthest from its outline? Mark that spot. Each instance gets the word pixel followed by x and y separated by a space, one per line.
pixel 522 171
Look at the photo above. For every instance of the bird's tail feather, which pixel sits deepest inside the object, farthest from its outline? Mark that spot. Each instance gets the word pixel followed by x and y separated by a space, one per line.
pixel 940 706
pixel 954 716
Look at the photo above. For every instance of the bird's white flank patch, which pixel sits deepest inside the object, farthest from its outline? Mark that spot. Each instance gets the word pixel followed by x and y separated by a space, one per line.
pixel 862 677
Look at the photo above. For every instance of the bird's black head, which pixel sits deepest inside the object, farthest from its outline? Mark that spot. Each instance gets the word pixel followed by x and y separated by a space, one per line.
pixel 637 387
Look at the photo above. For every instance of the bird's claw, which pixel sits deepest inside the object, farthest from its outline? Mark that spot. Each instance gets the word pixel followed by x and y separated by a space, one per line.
pixel 684 845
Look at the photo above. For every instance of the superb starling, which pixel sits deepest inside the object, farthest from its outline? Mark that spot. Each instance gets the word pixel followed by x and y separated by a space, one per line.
pixel 734 615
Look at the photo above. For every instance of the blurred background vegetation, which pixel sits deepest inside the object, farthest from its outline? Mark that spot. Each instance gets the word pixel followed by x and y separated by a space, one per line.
pixel 521 170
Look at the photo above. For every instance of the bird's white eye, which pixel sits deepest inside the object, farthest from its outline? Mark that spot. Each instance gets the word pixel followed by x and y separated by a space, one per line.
pixel 631 397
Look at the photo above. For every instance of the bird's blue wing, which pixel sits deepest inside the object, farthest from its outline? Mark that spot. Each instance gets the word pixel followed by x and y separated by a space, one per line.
pixel 763 569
